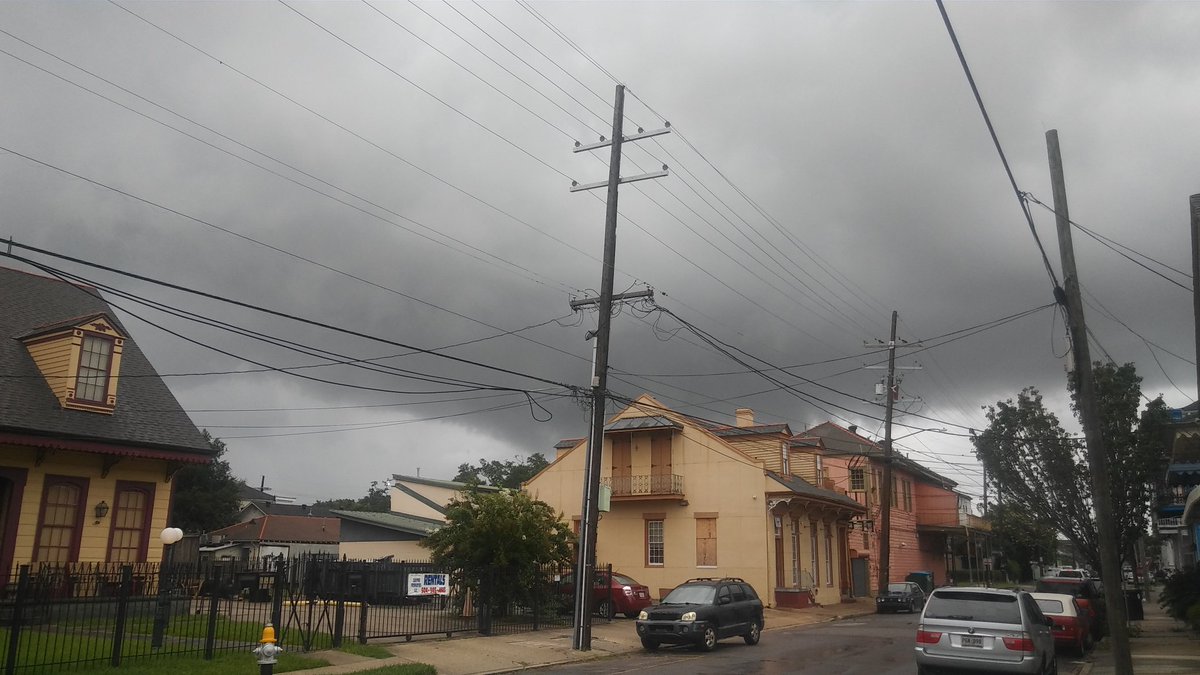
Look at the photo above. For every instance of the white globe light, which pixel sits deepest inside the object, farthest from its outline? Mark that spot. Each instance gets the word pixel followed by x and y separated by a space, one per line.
pixel 170 535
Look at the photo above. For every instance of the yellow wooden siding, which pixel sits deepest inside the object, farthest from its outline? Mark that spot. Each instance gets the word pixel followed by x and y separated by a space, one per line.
pixel 53 359
pixel 767 450
pixel 93 544
pixel 804 465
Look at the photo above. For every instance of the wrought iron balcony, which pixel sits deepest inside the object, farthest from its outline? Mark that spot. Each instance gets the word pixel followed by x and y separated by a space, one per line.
pixel 654 485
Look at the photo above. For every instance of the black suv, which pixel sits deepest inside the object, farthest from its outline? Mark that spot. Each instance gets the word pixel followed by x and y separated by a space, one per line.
pixel 702 611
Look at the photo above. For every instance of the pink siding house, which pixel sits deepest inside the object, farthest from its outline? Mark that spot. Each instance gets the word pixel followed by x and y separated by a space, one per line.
pixel 931 527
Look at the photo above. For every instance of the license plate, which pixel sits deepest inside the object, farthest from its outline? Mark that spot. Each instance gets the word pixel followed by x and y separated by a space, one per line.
pixel 972 641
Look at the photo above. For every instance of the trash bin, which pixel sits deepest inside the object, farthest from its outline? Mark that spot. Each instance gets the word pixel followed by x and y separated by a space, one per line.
pixel 1133 604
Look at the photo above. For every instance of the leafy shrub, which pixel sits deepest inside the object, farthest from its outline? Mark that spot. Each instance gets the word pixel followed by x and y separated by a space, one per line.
pixel 1180 596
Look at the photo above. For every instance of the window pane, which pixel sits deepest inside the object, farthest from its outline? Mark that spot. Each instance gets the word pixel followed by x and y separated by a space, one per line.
pixel 654 542
pixel 59 519
pixel 129 526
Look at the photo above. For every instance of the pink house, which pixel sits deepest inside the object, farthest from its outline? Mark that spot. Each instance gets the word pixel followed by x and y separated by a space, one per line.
pixel 931 526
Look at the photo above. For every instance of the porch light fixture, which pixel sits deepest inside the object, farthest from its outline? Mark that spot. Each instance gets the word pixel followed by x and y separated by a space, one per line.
pixel 101 510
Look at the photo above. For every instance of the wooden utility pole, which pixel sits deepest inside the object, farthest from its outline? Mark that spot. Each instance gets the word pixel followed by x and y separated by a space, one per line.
pixel 1195 203
pixel 885 516
pixel 1110 560
pixel 586 563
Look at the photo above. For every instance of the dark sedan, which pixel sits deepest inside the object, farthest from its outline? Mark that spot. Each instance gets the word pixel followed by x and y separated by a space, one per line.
pixel 902 596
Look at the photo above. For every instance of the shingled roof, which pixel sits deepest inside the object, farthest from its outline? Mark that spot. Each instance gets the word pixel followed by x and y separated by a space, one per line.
pixel 147 414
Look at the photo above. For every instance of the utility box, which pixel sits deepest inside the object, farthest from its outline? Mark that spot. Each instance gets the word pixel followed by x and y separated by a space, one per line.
pixel 605 500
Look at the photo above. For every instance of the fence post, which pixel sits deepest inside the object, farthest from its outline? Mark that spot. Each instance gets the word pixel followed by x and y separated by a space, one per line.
pixel 14 634
pixel 362 606
pixel 280 587
pixel 539 583
pixel 339 614
pixel 483 612
pixel 162 608
pixel 122 612
pixel 210 636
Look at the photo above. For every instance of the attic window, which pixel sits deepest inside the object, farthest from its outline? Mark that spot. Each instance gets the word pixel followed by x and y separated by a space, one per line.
pixel 95 363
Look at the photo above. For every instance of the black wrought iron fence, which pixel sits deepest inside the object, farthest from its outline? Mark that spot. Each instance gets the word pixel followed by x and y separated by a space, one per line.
pixel 56 618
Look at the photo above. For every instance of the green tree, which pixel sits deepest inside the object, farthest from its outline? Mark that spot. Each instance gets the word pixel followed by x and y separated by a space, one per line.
pixel 376 500
pixel 1043 474
pixel 494 544
pixel 206 495
pixel 1025 537
pixel 507 474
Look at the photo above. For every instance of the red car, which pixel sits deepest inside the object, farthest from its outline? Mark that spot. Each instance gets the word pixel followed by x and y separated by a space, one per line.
pixel 1072 624
pixel 1086 593
pixel 619 594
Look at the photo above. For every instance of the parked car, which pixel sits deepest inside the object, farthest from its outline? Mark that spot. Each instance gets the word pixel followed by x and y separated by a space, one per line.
pixel 700 612
pixel 1088 592
pixel 618 594
pixel 1072 573
pixel 904 595
pixel 1072 624
pixel 984 629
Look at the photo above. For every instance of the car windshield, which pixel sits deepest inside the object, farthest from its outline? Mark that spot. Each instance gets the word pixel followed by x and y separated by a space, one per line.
pixel 897 588
pixel 1050 606
pixel 691 595
pixel 623 580
pixel 969 606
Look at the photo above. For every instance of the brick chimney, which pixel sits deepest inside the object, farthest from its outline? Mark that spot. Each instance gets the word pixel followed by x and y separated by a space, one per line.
pixel 745 417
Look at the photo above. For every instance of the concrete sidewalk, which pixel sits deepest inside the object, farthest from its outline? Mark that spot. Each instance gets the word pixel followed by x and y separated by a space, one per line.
pixel 477 655
pixel 1162 646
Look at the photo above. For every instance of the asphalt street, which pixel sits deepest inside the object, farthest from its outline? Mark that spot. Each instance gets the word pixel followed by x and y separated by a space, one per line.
pixel 865 645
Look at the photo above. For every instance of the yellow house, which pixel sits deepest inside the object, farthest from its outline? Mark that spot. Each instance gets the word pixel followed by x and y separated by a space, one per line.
pixel 695 499
pixel 90 436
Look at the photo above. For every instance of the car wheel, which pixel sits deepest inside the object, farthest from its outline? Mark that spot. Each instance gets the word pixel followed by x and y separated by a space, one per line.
pixel 649 644
pixel 605 609
pixel 1088 643
pixel 708 641
pixel 755 633
pixel 1052 666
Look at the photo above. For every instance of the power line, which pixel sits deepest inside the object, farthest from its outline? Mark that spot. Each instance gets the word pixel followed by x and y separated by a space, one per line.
pixel 299 319
pixel 962 59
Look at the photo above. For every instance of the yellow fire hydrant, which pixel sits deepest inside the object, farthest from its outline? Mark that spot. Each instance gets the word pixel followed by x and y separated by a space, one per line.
pixel 267 651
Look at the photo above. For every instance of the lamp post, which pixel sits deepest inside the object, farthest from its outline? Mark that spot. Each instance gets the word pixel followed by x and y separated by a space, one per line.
pixel 162 610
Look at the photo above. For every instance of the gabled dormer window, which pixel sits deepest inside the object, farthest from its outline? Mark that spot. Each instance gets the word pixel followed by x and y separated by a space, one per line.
pixel 80 359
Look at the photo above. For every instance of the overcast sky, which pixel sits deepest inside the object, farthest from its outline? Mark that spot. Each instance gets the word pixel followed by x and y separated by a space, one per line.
pixel 401 171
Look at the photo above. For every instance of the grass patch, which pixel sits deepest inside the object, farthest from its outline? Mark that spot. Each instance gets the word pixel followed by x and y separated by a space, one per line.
pixel 405 669
pixel 369 651
pixel 41 648
pixel 225 663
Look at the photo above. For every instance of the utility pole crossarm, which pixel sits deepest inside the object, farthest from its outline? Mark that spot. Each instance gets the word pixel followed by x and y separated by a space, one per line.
pixel 641 134
pixel 632 295
pixel 576 187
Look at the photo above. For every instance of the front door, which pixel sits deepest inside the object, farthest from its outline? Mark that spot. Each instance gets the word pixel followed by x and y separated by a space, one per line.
pixel 858 570
pixel 12 489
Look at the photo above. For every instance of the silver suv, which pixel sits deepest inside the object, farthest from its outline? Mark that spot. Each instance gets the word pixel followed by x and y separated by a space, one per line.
pixel 986 630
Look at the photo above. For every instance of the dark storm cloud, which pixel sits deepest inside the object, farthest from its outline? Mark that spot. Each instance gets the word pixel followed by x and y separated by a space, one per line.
pixel 850 123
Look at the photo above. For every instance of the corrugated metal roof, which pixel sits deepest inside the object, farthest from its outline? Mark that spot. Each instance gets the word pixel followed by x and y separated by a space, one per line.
pixel 752 431
pixel 640 423
pixel 567 443
pixel 392 521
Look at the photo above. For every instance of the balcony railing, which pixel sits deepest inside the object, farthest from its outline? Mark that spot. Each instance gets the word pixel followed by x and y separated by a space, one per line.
pixel 654 485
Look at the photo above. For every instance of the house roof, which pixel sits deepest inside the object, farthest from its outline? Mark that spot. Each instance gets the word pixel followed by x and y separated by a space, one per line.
pixel 448 484
pixel 804 488
pixel 254 494
pixel 284 529
pixel 146 415
pixel 567 443
pixel 391 520
pixel 841 441
pixel 757 429
pixel 643 423
pixel 277 509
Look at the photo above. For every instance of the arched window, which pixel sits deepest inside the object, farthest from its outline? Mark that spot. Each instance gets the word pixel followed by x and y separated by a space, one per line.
pixel 130 536
pixel 61 522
